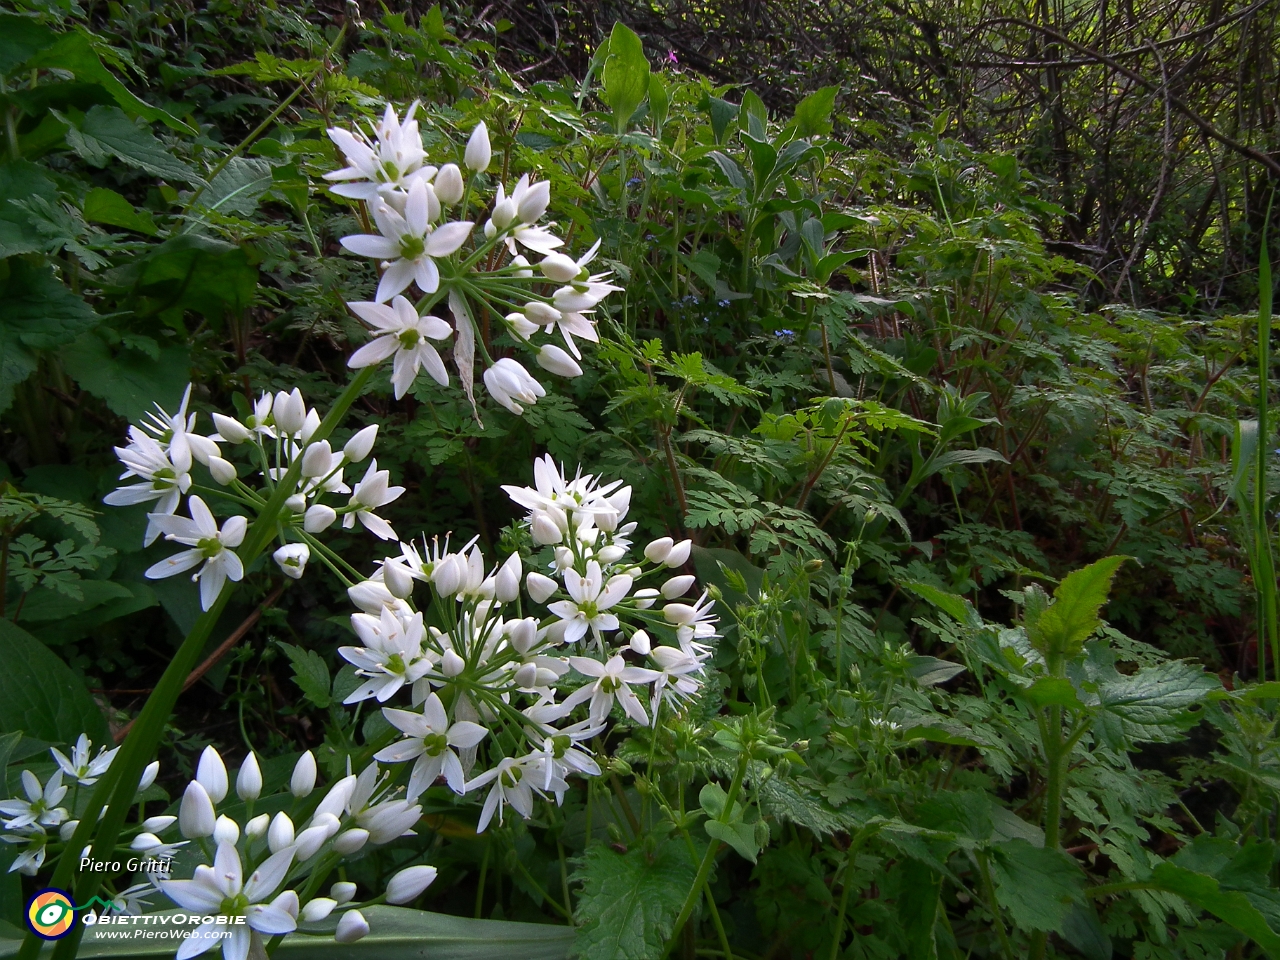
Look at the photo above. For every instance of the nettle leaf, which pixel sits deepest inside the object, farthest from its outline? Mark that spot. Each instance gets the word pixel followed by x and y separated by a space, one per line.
pixel 1064 625
pixel 1036 885
pixel 1157 702
pixel 789 800
pixel 953 605
pixel 310 673
pixel 630 901
pixel 1230 906
pixel 107 132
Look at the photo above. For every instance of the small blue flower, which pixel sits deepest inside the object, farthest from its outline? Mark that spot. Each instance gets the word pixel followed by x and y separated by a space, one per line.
pixel 723 303
pixel 633 181
pixel 784 333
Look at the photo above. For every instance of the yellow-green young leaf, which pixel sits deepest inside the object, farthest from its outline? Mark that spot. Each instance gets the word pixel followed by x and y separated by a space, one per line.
pixel 626 75
pixel 813 113
pixel 1061 630
pixel 629 901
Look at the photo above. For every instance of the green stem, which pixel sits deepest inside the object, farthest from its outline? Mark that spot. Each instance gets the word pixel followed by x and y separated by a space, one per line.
pixel 1265 576
pixel 989 892
pixel 117 788
pixel 708 859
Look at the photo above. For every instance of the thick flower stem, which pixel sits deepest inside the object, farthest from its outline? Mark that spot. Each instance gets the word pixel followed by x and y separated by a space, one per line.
pixel 117 788
pixel 708 859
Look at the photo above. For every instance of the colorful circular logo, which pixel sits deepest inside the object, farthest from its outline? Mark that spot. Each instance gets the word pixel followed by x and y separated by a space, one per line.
pixel 51 914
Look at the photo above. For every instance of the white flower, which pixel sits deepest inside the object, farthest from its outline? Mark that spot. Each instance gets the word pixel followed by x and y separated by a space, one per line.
pixel 31 859
pixel 409 883
pixel 409 243
pixel 478 152
pixel 249 778
pixel 373 491
pixel 303 780
pixel 195 815
pixel 40 809
pixel 508 382
pixel 677 667
pixel 590 599
pixel 386 165
pixel 430 740
pixel 559 267
pixel 352 927
pixel 553 359
pixel 404 334
pixel 693 623
pixel 391 655
pixel 166 478
pixel 361 443
pixel 212 774
pixel 611 681
pixel 448 184
pixel 292 559
pixel 80 767
pixel 512 784
pixel 210 547
pixel 221 890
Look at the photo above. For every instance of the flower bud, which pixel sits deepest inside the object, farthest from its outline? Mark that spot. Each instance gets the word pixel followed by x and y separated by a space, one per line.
pixel 195 814
pixel 559 267
pixel 541 313
pixel 397 578
pixel 335 801
pixel 327 822
pixel 158 824
pixel 317 459
pixel 641 643
pixel 212 774
pixel 148 777
pixel 256 828
pixel 679 554
pixel 540 587
pixel 318 518
pixel 249 779
pixel 524 634
pixel 409 883
pixel 317 909
pixel 296 503
pixel 645 597
pixel 448 575
pixel 490 229
pixel 287 900
pixel 451 664
pixel 680 614
pixel 308 843
pixel 503 213
pixel 350 841
pixel 352 927
pixel 544 529
pixel 534 202
pixel 290 411
pixel 343 891
pixel 557 361
pixel 677 586
pixel 230 429
pixel 280 833
pixel 520 260
pixel 222 471
pixel 67 830
pixel 361 445
pixel 448 184
pixel 478 153
pixel 303 780
pixel 506 585
pixel 527 675
pixel 292 559
pixel 226 830
pixel 659 549
pixel 610 554
pixel 149 841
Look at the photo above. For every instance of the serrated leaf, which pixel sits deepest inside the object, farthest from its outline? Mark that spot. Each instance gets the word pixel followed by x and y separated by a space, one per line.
pixel 110 132
pixel 630 901
pixel 1229 906
pixel 236 189
pixel 930 671
pixel 310 673
pixel 1036 885
pixel 1065 624
pixel 952 605
pixel 36 313
pixel 1052 692
pixel 784 798
pixel 1156 697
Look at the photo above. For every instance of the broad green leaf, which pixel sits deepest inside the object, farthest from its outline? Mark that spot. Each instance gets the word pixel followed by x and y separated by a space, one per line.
pixel 36 313
pixel 21 38
pixel 626 75
pixel 106 206
pixel 786 799
pixel 109 132
pixel 1083 930
pixel 743 837
pixel 813 113
pixel 130 381
pixel 1037 886
pixel 237 188
pixel 1229 906
pixel 729 167
pixel 395 933
pixel 310 673
pixel 930 671
pixel 1052 692
pixel 722 114
pixel 39 694
pixel 22 180
pixel 918 909
pixel 630 901
pixel 1064 626
pixel 956 458
pixel 954 606
pixel 754 116
pixel 189 272
pixel 44 604
pixel 1155 703
pixel 659 102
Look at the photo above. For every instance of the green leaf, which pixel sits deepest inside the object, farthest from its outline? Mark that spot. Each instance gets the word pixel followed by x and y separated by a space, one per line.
pixel 626 75
pixel 629 901
pixel 395 933
pixel 1083 930
pixel 45 604
pixel 743 837
pixel 918 909
pixel 310 673
pixel 109 132
pixel 786 799
pixel 956 607
pixel 1231 907
pixel 39 694
pixel 128 382
pixel 930 671
pixel 659 102
pixel 813 113
pixel 36 313
pixel 722 114
pixel 189 272
pixel 1052 692
pixel 1157 698
pixel 106 206
pixel 1060 631
pixel 22 180
pixel 1036 885
pixel 237 188
pixel 21 38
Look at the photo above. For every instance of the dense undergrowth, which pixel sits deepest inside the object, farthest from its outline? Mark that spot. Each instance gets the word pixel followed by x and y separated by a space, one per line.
pixel 886 414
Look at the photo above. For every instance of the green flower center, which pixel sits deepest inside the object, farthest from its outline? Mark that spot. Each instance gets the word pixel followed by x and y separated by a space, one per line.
pixel 589 609
pixel 511 776
pixel 234 906
pixel 560 746
pixel 435 744
pixel 389 172
pixel 210 547
pixel 395 663
pixel 609 684
pixel 409 339
pixel 411 247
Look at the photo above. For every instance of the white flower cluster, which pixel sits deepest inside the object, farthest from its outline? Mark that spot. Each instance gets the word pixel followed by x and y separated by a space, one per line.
pixel 43 815
pixel 496 690
pixel 417 245
pixel 163 451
